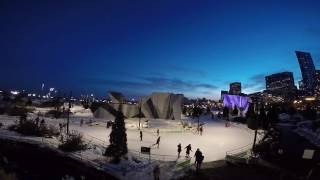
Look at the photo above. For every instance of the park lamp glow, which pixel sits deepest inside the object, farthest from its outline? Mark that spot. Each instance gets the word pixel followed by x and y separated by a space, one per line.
pixel 14 92
pixel 311 98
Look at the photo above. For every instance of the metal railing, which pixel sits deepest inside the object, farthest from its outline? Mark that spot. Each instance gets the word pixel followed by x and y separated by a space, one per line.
pixel 240 150
pixel 160 157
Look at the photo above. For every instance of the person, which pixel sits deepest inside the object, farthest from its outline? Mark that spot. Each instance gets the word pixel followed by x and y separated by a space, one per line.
pixel 60 127
pixel 140 135
pixel 179 150
pixel 227 123
pixel 201 130
pixel 156 172
pixel 42 123
pixel 81 122
pixel 199 159
pixel 109 123
pixel 37 121
pixel 158 142
pixel 158 132
pixel 188 149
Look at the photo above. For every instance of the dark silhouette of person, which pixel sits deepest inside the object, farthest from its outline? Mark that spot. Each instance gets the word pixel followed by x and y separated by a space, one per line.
pixel 188 149
pixel 201 130
pixel 140 135
pixel 42 122
pixel 199 158
pixel 158 142
pixel 37 121
pixel 158 131
pixel 60 127
pixel 179 150
pixel 156 172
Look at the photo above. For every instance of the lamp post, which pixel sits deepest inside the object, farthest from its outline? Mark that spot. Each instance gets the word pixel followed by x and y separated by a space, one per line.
pixel 139 112
pixel 69 114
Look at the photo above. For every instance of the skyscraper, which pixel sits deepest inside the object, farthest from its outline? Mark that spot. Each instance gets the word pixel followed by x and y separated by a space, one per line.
pixel 280 87
pixel 235 88
pixel 280 82
pixel 317 88
pixel 308 71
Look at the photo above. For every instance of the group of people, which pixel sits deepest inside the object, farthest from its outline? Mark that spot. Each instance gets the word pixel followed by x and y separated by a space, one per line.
pixel 198 155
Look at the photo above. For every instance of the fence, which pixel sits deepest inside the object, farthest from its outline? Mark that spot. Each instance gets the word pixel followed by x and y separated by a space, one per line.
pixel 240 155
pixel 103 144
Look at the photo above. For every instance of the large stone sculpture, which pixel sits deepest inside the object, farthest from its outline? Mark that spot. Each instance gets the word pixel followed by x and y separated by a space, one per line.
pixel 155 106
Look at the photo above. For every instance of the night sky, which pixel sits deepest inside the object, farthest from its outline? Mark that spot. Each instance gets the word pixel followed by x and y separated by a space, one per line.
pixel 137 47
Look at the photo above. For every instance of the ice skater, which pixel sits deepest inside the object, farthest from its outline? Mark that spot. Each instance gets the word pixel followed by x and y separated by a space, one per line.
pixel 158 142
pixel 158 131
pixel 201 130
pixel 179 150
pixel 140 135
pixel 81 122
pixel 188 149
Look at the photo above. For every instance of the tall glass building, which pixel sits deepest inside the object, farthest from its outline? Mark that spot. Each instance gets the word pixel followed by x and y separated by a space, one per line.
pixel 280 82
pixel 308 71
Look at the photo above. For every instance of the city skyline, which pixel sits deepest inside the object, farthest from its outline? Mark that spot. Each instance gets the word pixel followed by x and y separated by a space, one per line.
pixel 137 48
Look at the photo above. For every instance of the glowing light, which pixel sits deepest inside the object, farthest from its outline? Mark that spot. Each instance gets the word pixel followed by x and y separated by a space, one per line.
pixel 310 98
pixel 234 100
pixel 14 92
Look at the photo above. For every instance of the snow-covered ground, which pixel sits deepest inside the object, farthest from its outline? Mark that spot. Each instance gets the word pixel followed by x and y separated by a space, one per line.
pixel 304 129
pixel 215 141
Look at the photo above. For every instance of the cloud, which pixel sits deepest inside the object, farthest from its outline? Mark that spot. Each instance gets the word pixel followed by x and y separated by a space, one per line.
pixel 256 83
pixel 177 84
pixel 187 70
pixel 150 84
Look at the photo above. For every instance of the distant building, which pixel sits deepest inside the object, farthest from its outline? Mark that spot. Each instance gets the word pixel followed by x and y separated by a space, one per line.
pixel 280 88
pixel 308 71
pixel 223 93
pixel 317 88
pixel 280 81
pixel 256 98
pixel 301 86
pixel 235 88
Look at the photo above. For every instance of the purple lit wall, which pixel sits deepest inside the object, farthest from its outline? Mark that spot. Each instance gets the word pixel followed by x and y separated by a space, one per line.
pixel 235 100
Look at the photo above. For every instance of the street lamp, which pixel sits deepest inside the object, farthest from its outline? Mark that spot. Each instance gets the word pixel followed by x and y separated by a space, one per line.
pixel 139 113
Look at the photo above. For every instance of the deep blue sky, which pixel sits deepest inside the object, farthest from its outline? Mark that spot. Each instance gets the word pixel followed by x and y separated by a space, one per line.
pixel 192 47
